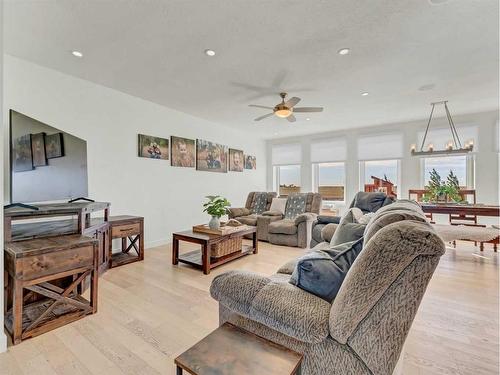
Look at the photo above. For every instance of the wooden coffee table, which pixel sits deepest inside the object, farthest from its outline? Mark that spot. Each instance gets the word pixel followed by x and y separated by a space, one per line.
pixel 230 350
pixel 201 259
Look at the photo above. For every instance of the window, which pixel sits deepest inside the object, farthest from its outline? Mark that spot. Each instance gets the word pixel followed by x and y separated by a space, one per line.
pixel 380 175
pixel 287 179
pixel 461 165
pixel 329 180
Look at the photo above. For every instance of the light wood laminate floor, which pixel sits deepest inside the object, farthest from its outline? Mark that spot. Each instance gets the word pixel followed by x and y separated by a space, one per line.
pixel 150 312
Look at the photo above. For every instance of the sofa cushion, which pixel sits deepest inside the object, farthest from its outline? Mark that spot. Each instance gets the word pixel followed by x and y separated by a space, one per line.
pixel 370 202
pixel 278 205
pixel 328 231
pixel 390 216
pixel 248 220
pixel 237 212
pixel 288 267
pixel 283 227
pixel 322 272
pixel 349 229
pixel 292 311
pixel 295 205
pixel 259 203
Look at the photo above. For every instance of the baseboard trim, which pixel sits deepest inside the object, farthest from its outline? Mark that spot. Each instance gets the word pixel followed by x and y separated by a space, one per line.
pixel 161 242
pixel 3 342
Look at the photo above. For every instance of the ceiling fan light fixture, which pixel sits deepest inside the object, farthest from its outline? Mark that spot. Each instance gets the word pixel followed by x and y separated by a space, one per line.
pixel 283 112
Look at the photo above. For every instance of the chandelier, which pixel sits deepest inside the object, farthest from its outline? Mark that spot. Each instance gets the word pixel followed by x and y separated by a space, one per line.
pixel 452 147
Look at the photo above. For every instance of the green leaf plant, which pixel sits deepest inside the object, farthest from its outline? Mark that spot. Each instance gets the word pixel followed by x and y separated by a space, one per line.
pixel 216 205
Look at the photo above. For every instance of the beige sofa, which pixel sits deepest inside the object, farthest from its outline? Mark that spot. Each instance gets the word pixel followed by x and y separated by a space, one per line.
pixel 362 331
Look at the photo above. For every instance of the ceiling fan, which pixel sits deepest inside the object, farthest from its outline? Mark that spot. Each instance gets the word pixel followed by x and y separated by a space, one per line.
pixel 286 109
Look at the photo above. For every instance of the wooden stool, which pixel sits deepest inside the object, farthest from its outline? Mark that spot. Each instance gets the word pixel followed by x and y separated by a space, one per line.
pixel 131 231
pixel 43 276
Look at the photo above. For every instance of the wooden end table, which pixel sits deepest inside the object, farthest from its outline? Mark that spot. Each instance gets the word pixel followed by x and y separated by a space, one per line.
pixel 130 229
pixel 232 350
pixel 201 259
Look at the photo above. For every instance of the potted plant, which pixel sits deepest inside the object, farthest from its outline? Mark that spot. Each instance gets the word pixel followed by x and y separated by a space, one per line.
pixel 216 207
pixel 440 191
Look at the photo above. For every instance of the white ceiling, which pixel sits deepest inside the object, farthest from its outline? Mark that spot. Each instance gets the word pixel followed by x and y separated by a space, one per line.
pixel 154 50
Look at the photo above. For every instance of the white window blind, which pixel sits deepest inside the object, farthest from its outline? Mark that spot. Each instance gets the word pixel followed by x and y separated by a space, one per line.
pixel 286 154
pixel 380 147
pixel 328 150
pixel 440 137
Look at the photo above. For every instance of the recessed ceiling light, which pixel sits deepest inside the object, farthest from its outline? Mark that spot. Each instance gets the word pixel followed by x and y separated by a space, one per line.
pixel 364 94
pixel 307 118
pixel 276 133
pixel 210 52
pixel 77 53
pixel 438 2
pixel 343 51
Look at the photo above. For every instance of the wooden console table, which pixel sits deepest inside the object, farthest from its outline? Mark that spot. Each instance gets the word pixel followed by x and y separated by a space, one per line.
pixel 201 259
pixel 42 283
pixel 130 229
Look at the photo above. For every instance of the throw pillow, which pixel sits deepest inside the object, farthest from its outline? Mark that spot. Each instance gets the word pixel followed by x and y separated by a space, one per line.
pixel 259 203
pixel 322 272
pixel 279 205
pixel 295 205
pixel 348 230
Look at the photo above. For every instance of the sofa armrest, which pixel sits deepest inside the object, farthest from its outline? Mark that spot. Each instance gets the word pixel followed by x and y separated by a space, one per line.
pixel 272 213
pixel 237 289
pixel 234 212
pixel 292 311
pixel 307 216
pixel 328 231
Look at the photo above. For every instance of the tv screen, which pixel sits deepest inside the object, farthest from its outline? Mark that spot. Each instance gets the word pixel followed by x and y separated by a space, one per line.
pixel 46 164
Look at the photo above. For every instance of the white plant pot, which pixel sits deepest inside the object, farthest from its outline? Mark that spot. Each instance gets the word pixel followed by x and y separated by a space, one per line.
pixel 214 223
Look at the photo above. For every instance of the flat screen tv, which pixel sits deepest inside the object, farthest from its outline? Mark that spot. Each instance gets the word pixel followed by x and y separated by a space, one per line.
pixel 46 164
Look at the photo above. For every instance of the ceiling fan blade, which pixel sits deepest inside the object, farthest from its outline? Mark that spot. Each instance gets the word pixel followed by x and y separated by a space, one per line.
pixel 308 109
pixel 292 101
pixel 264 116
pixel 259 106
pixel 291 118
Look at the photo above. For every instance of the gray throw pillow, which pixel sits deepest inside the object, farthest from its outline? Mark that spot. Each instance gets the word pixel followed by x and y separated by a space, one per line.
pixel 348 230
pixel 322 272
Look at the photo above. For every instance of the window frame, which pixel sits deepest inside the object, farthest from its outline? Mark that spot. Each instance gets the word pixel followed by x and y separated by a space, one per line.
pixel 362 170
pixel 276 176
pixel 470 169
pixel 315 180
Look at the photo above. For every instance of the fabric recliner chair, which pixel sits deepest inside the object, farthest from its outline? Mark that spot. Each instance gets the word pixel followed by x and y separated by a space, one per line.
pixel 362 331
pixel 256 205
pixel 366 202
pixel 294 227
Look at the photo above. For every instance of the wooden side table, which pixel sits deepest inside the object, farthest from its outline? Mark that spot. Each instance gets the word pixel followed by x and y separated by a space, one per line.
pixel 131 231
pixel 43 276
pixel 231 350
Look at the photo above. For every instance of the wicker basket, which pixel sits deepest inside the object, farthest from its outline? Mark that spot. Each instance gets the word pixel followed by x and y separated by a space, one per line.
pixel 226 247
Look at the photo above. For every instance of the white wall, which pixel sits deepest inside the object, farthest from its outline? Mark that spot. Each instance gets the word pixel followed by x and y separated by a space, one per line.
pixel 486 158
pixel 3 338
pixel 169 198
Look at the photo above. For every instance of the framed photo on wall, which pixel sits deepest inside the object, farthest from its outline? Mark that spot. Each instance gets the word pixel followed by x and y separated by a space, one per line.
pixel 236 160
pixel 38 149
pixel 183 152
pixel 54 146
pixel 152 147
pixel 211 157
pixel 22 156
pixel 250 162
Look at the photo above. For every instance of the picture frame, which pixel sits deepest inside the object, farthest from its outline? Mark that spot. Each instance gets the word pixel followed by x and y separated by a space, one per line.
pixel 54 145
pixel 182 152
pixel 38 150
pixel 236 160
pixel 21 154
pixel 250 162
pixel 211 156
pixel 152 147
